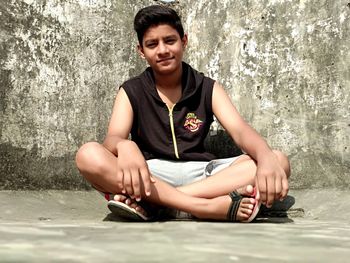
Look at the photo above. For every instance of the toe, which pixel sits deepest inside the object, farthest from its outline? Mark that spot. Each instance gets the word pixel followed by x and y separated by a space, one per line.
pixel 246 211
pixel 241 216
pixel 249 190
pixel 248 201
pixel 247 206
pixel 133 204
pixel 140 210
pixel 246 191
pixel 128 201
pixel 120 198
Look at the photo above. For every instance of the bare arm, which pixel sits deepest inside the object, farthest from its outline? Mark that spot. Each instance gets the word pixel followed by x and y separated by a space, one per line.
pixel 239 130
pixel 271 178
pixel 133 173
pixel 120 122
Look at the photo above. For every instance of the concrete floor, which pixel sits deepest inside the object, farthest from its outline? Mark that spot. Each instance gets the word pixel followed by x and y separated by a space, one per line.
pixel 67 226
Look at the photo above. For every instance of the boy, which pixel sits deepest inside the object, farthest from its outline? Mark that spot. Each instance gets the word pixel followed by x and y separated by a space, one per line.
pixel 168 109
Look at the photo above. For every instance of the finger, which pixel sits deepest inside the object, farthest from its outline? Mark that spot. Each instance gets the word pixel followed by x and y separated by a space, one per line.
pixel 153 180
pixel 278 188
pixel 261 183
pixel 271 190
pixel 285 188
pixel 135 178
pixel 146 181
pixel 127 183
pixel 120 184
pixel 257 194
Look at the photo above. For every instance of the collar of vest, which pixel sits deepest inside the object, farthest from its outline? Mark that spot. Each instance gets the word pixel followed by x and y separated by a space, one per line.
pixel 191 81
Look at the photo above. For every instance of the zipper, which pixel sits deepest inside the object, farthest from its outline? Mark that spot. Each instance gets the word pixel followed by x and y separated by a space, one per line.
pixel 173 130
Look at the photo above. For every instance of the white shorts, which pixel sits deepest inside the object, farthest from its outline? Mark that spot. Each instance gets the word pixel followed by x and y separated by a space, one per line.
pixel 177 173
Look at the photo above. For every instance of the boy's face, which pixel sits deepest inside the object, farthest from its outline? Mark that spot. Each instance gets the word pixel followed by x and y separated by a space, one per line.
pixel 163 48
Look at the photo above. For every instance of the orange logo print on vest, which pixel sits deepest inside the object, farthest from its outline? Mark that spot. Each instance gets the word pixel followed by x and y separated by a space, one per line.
pixel 192 122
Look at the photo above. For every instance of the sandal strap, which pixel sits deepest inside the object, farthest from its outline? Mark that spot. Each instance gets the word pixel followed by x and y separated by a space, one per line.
pixel 233 209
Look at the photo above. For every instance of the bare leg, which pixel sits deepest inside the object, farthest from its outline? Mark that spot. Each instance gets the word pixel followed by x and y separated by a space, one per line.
pixel 213 186
pixel 98 166
pixel 239 174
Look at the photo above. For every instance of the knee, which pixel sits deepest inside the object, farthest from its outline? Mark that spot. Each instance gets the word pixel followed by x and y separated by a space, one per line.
pixel 86 156
pixel 284 161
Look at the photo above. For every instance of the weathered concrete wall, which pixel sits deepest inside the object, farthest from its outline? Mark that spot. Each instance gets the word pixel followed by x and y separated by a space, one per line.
pixel 285 64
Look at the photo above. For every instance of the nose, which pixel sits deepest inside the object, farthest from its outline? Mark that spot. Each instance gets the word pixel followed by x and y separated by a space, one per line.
pixel 162 48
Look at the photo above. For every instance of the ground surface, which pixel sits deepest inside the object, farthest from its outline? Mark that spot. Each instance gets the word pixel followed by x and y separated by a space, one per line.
pixel 67 226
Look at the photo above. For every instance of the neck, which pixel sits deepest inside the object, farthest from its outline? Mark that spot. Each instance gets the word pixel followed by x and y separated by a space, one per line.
pixel 169 81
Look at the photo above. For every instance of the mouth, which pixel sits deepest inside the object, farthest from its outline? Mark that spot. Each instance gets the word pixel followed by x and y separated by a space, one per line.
pixel 164 59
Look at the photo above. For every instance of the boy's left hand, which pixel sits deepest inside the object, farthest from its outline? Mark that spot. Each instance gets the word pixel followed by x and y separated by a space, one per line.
pixel 271 180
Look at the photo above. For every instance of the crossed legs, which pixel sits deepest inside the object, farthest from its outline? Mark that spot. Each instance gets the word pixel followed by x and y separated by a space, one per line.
pixel 205 199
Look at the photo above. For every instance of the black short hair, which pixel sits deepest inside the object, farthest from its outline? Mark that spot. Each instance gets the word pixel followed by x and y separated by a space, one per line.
pixel 155 15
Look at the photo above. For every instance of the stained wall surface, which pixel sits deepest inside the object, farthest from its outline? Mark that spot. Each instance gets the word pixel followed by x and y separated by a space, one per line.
pixel 284 63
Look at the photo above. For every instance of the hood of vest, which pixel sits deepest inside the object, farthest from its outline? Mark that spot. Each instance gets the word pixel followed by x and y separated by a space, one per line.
pixel 191 81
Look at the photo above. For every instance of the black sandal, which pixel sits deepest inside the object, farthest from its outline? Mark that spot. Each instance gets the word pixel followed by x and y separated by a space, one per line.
pixel 233 209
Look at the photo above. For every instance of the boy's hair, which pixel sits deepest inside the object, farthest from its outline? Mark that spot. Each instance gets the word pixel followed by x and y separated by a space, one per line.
pixel 155 15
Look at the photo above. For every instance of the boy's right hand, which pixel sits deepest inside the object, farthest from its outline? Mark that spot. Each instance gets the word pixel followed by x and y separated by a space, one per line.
pixel 132 171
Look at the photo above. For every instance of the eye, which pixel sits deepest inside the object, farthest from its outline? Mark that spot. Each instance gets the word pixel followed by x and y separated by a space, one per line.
pixel 170 41
pixel 151 45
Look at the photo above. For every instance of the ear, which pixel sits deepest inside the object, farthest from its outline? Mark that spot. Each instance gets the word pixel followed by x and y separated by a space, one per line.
pixel 140 51
pixel 184 41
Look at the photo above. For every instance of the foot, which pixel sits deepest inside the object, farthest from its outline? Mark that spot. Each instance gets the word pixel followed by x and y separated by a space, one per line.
pixel 246 210
pixel 218 207
pixel 248 203
pixel 130 202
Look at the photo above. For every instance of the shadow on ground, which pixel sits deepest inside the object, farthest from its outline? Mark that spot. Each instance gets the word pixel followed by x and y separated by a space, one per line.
pixel 278 213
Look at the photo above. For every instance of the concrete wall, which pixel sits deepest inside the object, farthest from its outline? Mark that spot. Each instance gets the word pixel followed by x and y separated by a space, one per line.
pixel 285 64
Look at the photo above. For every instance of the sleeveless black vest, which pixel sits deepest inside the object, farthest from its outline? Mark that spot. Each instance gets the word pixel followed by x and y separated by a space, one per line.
pixel 178 133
